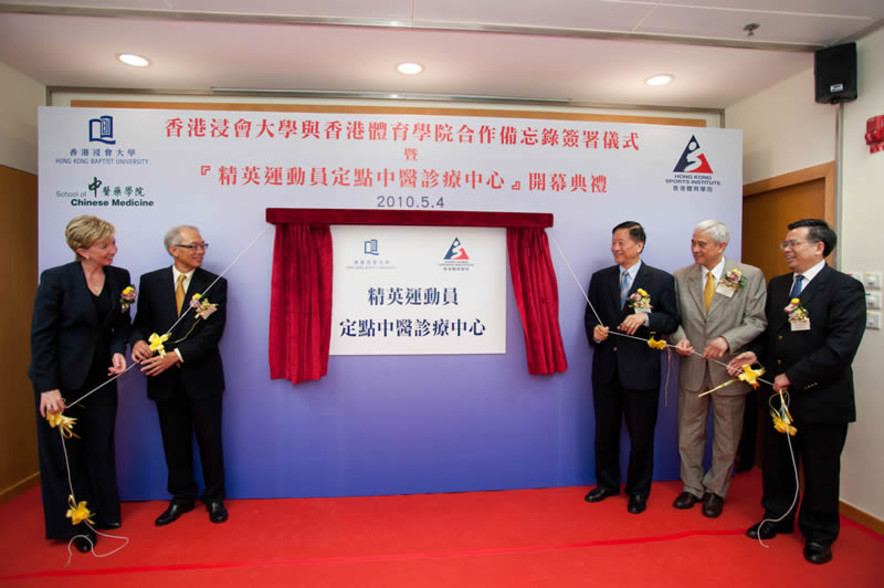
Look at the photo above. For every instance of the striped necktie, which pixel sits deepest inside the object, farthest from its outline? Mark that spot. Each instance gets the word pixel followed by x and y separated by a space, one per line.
pixel 625 283
pixel 796 287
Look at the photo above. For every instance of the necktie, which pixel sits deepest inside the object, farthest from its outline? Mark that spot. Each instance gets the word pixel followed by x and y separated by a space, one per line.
pixel 625 283
pixel 179 293
pixel 796 287
pixel 709 290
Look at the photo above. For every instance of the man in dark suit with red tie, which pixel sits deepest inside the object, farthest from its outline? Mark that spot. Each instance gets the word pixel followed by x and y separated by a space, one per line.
pixel 637 300
pixel 187 381
pixel 808 349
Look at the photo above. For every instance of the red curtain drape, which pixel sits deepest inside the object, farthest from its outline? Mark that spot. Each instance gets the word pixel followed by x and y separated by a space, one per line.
pixel 300 302
pixel 537 296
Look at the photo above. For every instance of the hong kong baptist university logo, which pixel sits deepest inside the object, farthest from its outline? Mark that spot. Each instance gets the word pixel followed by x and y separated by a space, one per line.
pixel 693 159
pixel 102 130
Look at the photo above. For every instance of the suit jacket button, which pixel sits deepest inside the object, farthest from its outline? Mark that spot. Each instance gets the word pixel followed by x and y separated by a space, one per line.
pixel 779 362
pixel 615 349
pixel 780 338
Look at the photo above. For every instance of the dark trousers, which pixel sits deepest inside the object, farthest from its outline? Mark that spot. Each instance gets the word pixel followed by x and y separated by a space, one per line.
pixel 613 402
pixel 817 446
pixel 746 450
pixel 92 463
pixel 180 418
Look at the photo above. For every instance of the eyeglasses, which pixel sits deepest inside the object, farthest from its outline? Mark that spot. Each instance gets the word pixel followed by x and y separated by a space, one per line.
pixel 196 246
pixel 793 243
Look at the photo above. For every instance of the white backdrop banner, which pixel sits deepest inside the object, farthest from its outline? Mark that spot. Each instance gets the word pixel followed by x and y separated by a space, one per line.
pixel 418 290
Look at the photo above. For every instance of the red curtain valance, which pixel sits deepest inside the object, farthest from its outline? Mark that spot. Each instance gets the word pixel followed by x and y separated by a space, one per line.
pixel 300 299
pixel 431 218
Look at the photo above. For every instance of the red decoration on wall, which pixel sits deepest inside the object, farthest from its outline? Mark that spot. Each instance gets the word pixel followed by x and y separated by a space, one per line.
pixel 875 134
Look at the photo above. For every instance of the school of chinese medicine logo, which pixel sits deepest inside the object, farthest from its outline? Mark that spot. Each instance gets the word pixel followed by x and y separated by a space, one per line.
pixel 456 252
pixel 370 247
pixel 693 159
pixel 101 130
pixel 94 185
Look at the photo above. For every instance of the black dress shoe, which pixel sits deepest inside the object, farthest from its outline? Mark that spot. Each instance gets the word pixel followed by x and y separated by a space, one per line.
pixel 712 505
pixel 599 493
pixel 817 553
pixel 767 530
pixel 108 526
pixel 637 504
pixel 685 500
pixel 84 544
pixel 217 512
pixel 171 514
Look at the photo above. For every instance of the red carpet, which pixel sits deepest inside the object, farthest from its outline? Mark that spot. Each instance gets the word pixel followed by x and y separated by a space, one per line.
pixel 548 537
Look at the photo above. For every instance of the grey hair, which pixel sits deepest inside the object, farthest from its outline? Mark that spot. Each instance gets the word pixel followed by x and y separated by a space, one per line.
pixel 717 230
pixel 173 235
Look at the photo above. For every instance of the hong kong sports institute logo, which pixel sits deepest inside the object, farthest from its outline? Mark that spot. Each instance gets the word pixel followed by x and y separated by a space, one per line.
pixel 693 159
pixel 456 252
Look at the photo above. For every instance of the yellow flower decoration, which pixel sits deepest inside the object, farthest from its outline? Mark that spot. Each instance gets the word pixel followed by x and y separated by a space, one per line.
pixel 64 423
pixel 128 290
pixel 655 344
pixel 156 343
pixel 642 292
pixel 783 425
pixel 751 376
pixel 78 511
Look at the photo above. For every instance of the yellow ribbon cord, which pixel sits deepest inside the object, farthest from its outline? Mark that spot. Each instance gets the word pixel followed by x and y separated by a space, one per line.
pixel 655 344
pixel 782 418
pixel 64 423
pixel 156 343
pixel 78 512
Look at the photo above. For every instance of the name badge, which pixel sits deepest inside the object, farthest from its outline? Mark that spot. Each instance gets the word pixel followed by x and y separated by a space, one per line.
pixel 725 290
pixel 800 325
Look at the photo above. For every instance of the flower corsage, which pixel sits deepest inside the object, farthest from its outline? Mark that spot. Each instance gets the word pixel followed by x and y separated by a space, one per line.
pixel 640 301
pixel 796 312
pixel 734 279
pixel 203 308
pixel 127 297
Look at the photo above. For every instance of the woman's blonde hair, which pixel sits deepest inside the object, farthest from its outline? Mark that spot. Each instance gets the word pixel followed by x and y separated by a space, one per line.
pixel 85 230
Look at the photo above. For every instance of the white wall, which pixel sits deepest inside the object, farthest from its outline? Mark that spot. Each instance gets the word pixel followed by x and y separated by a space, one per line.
pixel 784 130
pixel 862 481
pixel 19 98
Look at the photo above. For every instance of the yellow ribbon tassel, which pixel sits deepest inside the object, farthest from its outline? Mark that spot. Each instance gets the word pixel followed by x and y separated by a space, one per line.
pixel 78 512
pixel 655 344
pixel 751 376
pixel 156 343
pixel 782 418
pixel 64 423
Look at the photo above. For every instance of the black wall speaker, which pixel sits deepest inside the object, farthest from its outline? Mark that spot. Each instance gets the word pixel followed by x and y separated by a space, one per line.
pixel 834 70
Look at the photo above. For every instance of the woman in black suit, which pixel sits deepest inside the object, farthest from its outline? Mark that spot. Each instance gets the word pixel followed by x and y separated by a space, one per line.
pixel 78 340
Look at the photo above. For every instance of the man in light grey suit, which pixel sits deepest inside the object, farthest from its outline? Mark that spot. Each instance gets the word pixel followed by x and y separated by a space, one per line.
pixel 721 303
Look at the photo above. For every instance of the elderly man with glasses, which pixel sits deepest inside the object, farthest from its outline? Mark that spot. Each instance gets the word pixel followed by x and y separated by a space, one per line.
pixel 816 318
pixel 185 376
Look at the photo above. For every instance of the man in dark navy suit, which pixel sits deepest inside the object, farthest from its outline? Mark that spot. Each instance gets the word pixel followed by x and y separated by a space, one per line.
pixel 186 382
pixel 808 348
pixel 638 300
